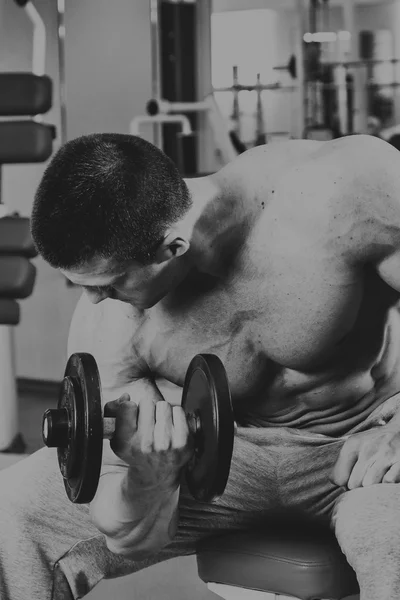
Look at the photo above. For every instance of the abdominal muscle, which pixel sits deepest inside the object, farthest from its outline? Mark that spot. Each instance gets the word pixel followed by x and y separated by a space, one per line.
pixel 331 401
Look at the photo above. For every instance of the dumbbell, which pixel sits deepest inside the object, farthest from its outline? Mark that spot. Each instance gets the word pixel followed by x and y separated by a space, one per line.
pixel 77 427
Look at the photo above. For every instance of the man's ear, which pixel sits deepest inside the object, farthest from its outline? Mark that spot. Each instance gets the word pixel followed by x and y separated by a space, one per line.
pixel 171 247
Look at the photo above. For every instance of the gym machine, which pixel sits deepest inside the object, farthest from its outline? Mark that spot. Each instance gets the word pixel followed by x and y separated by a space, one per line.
pixel 261 133
pixel 24 138
pixel 163 111
pixel 174 110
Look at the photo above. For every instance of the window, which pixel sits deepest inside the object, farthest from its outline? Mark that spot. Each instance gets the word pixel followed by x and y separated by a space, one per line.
pixel 247 41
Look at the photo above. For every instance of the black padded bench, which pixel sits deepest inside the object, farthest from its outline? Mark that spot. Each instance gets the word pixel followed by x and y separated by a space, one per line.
pixel 293 561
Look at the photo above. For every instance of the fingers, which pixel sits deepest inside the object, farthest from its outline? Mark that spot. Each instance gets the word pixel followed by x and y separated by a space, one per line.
pixel 181 428
pixel 363 472
pixel 111 408
pixel 393 474
pixel 162 427
pixel 170 429
pixel 126 424
pixel 369 458
pixel 151 426
pixel 370 473
pixel 344 465
pixel 375 472
pixel 357 468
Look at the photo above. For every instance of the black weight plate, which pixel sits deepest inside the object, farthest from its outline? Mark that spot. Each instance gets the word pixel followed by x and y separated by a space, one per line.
pixel 206 394
pixel 80 463
pixel 67 455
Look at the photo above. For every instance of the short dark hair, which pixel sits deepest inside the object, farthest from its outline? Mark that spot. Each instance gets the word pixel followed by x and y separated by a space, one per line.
pixel 106 195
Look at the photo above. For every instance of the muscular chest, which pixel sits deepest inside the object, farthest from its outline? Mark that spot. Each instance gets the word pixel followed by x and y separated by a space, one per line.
pixel 201 322
pixel 292 318
pixel 293 304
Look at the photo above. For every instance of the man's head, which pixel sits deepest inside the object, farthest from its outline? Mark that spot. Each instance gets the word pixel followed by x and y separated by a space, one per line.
pixel 104 214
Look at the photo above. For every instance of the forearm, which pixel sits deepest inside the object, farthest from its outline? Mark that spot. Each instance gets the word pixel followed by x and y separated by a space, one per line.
pixel 139 521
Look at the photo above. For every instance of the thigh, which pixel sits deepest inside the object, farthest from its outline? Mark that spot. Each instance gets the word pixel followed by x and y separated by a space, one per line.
pixel 304 469
pixel 42 532
pixel 372 512
pixel 273 471
pixel 250 494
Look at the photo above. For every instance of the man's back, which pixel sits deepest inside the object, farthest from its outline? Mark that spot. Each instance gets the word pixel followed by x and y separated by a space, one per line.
pixel 306 328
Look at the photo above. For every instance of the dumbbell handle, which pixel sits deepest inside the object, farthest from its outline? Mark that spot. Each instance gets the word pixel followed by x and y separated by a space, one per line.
pixel 55 428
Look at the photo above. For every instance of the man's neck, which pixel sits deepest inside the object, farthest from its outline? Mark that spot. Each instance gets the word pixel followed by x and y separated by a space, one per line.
pixel 218 221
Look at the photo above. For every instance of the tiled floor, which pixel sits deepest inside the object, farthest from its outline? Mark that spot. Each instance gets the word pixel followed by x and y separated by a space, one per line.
pixel 173 580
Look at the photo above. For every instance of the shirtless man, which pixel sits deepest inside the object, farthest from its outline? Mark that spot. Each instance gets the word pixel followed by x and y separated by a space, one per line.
pixel 285 264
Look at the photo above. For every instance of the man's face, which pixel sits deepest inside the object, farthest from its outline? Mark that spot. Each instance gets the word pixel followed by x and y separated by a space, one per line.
pixel 141 286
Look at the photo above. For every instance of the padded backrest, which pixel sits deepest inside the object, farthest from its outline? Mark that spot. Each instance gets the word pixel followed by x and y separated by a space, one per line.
pixel 25 142
pixel 24 94
pixel 15 237
pixel 17 277
pixel 9 312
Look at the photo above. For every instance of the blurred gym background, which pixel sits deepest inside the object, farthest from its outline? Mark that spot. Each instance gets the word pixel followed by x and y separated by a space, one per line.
pixel 204 81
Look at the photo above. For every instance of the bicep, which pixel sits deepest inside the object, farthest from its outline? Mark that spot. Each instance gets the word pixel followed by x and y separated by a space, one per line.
pixel 79 336
pixel 106 331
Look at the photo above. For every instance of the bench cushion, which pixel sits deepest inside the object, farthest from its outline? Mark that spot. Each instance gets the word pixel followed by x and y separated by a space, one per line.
pixel 15 237
pixel 24 94
pixel 9 312
pixel 304 563
pixel 17 277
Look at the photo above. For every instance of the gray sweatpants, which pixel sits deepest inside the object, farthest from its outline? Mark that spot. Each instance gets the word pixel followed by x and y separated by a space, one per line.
pixel 49 550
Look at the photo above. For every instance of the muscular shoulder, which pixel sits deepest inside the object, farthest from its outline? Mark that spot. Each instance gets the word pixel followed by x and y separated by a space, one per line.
pixel 343 194
pixel 370 197
pixel 305 174
pixel 259 168
pixel 347 192
pixel 107 331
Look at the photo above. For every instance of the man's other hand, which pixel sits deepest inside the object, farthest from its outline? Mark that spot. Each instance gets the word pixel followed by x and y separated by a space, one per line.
pixel 369 457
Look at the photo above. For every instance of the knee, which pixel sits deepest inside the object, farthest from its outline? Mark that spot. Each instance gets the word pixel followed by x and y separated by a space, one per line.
pixel 18 506
pixel 16 517
pixel 27 491
pixel 367 525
